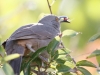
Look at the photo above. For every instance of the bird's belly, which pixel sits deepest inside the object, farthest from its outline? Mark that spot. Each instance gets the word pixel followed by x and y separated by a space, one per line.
pixel 35 44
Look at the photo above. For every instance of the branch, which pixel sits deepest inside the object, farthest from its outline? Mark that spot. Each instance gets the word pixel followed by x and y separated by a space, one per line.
pixel 49 6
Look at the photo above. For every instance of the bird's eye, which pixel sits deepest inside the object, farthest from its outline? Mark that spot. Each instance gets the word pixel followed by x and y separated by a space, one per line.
pixel 57 19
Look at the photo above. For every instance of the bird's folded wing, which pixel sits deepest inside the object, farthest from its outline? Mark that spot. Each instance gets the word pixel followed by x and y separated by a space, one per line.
pixel 39 31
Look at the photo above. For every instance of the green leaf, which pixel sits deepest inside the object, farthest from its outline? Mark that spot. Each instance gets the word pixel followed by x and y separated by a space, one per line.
pixel 36 54
pixel 70 33
pixel 66 50
pixel 62 68
pixel 7 69
pixel 64 55
pixel 50 73
pixel 50 70
pixel 27 70
pixel 53 65
pixel 85 63
pixel 60 52
pixel 94 37
pixel 84 71
pixel 68 73
pixel 98 59
pixel 60 61
pixel 2 72
pixel 2 51
pixel 52 45
pixel 38 62
pixel 55 56
pixel 70 64
pixel 12 56
pixel 95 53
pixel 23 65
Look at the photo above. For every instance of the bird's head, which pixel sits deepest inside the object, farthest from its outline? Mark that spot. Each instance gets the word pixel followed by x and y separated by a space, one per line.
pixel 54 21
pixel 50 18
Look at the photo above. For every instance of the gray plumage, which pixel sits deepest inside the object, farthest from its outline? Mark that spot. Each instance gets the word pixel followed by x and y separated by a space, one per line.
pixel 32 37
pixel 47 27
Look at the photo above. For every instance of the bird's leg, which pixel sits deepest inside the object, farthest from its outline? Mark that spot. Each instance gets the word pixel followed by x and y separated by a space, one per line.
pixel 29 46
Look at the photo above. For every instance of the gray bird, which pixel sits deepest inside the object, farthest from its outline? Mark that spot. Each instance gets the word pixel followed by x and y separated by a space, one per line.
pixel 31 37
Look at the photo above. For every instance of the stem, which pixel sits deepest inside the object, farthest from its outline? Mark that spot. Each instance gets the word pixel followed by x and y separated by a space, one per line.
pixel 49 6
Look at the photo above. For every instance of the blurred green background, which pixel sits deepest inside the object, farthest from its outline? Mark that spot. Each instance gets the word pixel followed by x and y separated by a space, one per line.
pixel 85 16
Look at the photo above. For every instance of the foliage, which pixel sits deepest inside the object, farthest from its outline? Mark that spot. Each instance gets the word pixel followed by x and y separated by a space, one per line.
pixel 84 14
pixel 60 61
pixel 5 68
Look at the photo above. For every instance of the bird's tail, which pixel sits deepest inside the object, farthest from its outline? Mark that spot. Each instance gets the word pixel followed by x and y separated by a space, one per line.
pixel 11 48
pixel 16 64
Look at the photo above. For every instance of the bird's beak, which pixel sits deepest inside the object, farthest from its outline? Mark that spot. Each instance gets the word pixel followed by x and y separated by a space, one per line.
pixel 67 20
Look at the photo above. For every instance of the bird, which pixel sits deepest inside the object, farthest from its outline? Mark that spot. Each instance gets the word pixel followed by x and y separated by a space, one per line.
pixel 31 37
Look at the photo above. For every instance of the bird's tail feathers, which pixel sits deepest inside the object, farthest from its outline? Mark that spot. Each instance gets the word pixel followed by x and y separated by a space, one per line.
pixel 16 64
pixel 11 48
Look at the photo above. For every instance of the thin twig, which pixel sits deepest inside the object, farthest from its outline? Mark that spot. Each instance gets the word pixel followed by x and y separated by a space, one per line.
pixel 64 47
pixel 49 6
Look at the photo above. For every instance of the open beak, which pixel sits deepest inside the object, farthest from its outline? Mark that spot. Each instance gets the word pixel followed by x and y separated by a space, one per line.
pixel 67 20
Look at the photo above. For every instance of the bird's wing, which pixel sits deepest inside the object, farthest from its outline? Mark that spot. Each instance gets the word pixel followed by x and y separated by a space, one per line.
pixel 38 30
